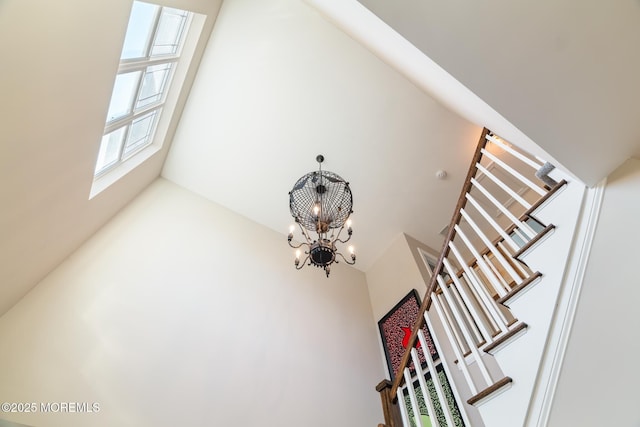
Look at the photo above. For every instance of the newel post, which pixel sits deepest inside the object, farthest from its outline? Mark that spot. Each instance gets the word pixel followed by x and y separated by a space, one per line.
pixel 389 407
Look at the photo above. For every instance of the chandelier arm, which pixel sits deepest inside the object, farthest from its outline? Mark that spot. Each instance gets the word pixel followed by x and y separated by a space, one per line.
pixel 299 246
pixel 340 232
pixel 346 260
pixel 303 263
pixel 344 241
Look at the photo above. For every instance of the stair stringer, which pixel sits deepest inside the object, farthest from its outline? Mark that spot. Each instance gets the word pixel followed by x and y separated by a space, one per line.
pixel 536 306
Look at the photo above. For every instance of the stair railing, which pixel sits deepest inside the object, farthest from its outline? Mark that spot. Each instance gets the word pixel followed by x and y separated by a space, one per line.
pixel 477 273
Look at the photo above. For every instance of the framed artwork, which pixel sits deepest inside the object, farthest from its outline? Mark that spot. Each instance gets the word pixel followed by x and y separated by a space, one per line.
pixel 395 330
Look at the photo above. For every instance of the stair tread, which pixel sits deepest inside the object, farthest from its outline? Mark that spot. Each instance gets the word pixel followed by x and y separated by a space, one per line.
pixel 490 390
pixel 516 289
pixel 529 212
pixel 533 241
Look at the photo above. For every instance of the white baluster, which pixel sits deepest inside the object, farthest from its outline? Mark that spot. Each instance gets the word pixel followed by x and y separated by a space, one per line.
pixel 422 381
pixel 456 349
pixel 485 310
pixel 402 404
pixel 489 303
pixel 454 324
pixel 522 237
pixel 412 397
pixel 474 349
pixel 447 370
pixel 523 272
pixel 497 273
pixel 490 246
pixel 527 229
pixel 535 165
pixel 514 172
pixel 467 313
pixel 493 281
pixel 486 335
pixel 504 186
pixel 493 223
pixel 458 312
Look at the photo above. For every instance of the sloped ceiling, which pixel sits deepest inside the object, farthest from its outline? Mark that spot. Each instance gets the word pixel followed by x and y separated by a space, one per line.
pixel 59 61
pixel 278 85
pixel 564 73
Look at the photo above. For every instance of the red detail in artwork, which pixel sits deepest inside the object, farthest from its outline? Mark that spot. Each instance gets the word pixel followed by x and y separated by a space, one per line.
pixel 407 335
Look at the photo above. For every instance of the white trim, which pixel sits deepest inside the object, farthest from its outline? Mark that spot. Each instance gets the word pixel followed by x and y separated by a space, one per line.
pixel 426 257
pixel 105 180
pixel 549 373
pixel 167 116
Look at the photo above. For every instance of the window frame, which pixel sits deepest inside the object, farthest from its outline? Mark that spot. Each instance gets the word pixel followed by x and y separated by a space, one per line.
pixel 143 64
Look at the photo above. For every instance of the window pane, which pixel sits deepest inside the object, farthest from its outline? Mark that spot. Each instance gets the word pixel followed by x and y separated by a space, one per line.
pixel 170 28
pixel 141 131
pixel 154 83
pixel 110 149
pixel 141 23
pixel 124 92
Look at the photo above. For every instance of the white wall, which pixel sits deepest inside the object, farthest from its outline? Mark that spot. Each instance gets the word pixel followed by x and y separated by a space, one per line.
pixel 393 275
pixel 599 380
pixel 59 65
pixel 181 313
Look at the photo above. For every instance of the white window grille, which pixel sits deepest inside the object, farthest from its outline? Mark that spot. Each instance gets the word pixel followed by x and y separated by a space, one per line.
pixel 152 47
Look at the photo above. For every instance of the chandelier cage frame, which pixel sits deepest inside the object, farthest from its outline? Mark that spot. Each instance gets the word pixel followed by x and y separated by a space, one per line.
pixel 321 202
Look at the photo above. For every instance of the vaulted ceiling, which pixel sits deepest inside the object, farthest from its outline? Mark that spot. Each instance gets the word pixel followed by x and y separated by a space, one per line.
pixel 564 73
pixel 278 85
pixel 282 81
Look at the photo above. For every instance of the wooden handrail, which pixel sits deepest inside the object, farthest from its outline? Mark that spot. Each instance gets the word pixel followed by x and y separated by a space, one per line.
pixel 433 284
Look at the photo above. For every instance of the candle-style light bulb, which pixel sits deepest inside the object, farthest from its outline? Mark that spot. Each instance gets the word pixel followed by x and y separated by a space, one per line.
pixel 290 236
pixel 353 253
pixel 316 210
pixel 297 261
pixel 349 229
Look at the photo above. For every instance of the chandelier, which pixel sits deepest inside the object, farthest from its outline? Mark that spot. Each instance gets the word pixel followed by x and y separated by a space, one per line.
pixel 321 204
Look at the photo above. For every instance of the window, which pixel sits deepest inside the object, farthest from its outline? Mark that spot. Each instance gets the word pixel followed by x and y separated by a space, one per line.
pixel 150 54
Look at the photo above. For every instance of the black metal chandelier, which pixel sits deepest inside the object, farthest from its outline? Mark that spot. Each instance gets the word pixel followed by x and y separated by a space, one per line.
pixel 321 202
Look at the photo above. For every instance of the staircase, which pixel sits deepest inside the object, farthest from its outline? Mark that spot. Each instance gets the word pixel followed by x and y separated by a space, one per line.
pixel 499 299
